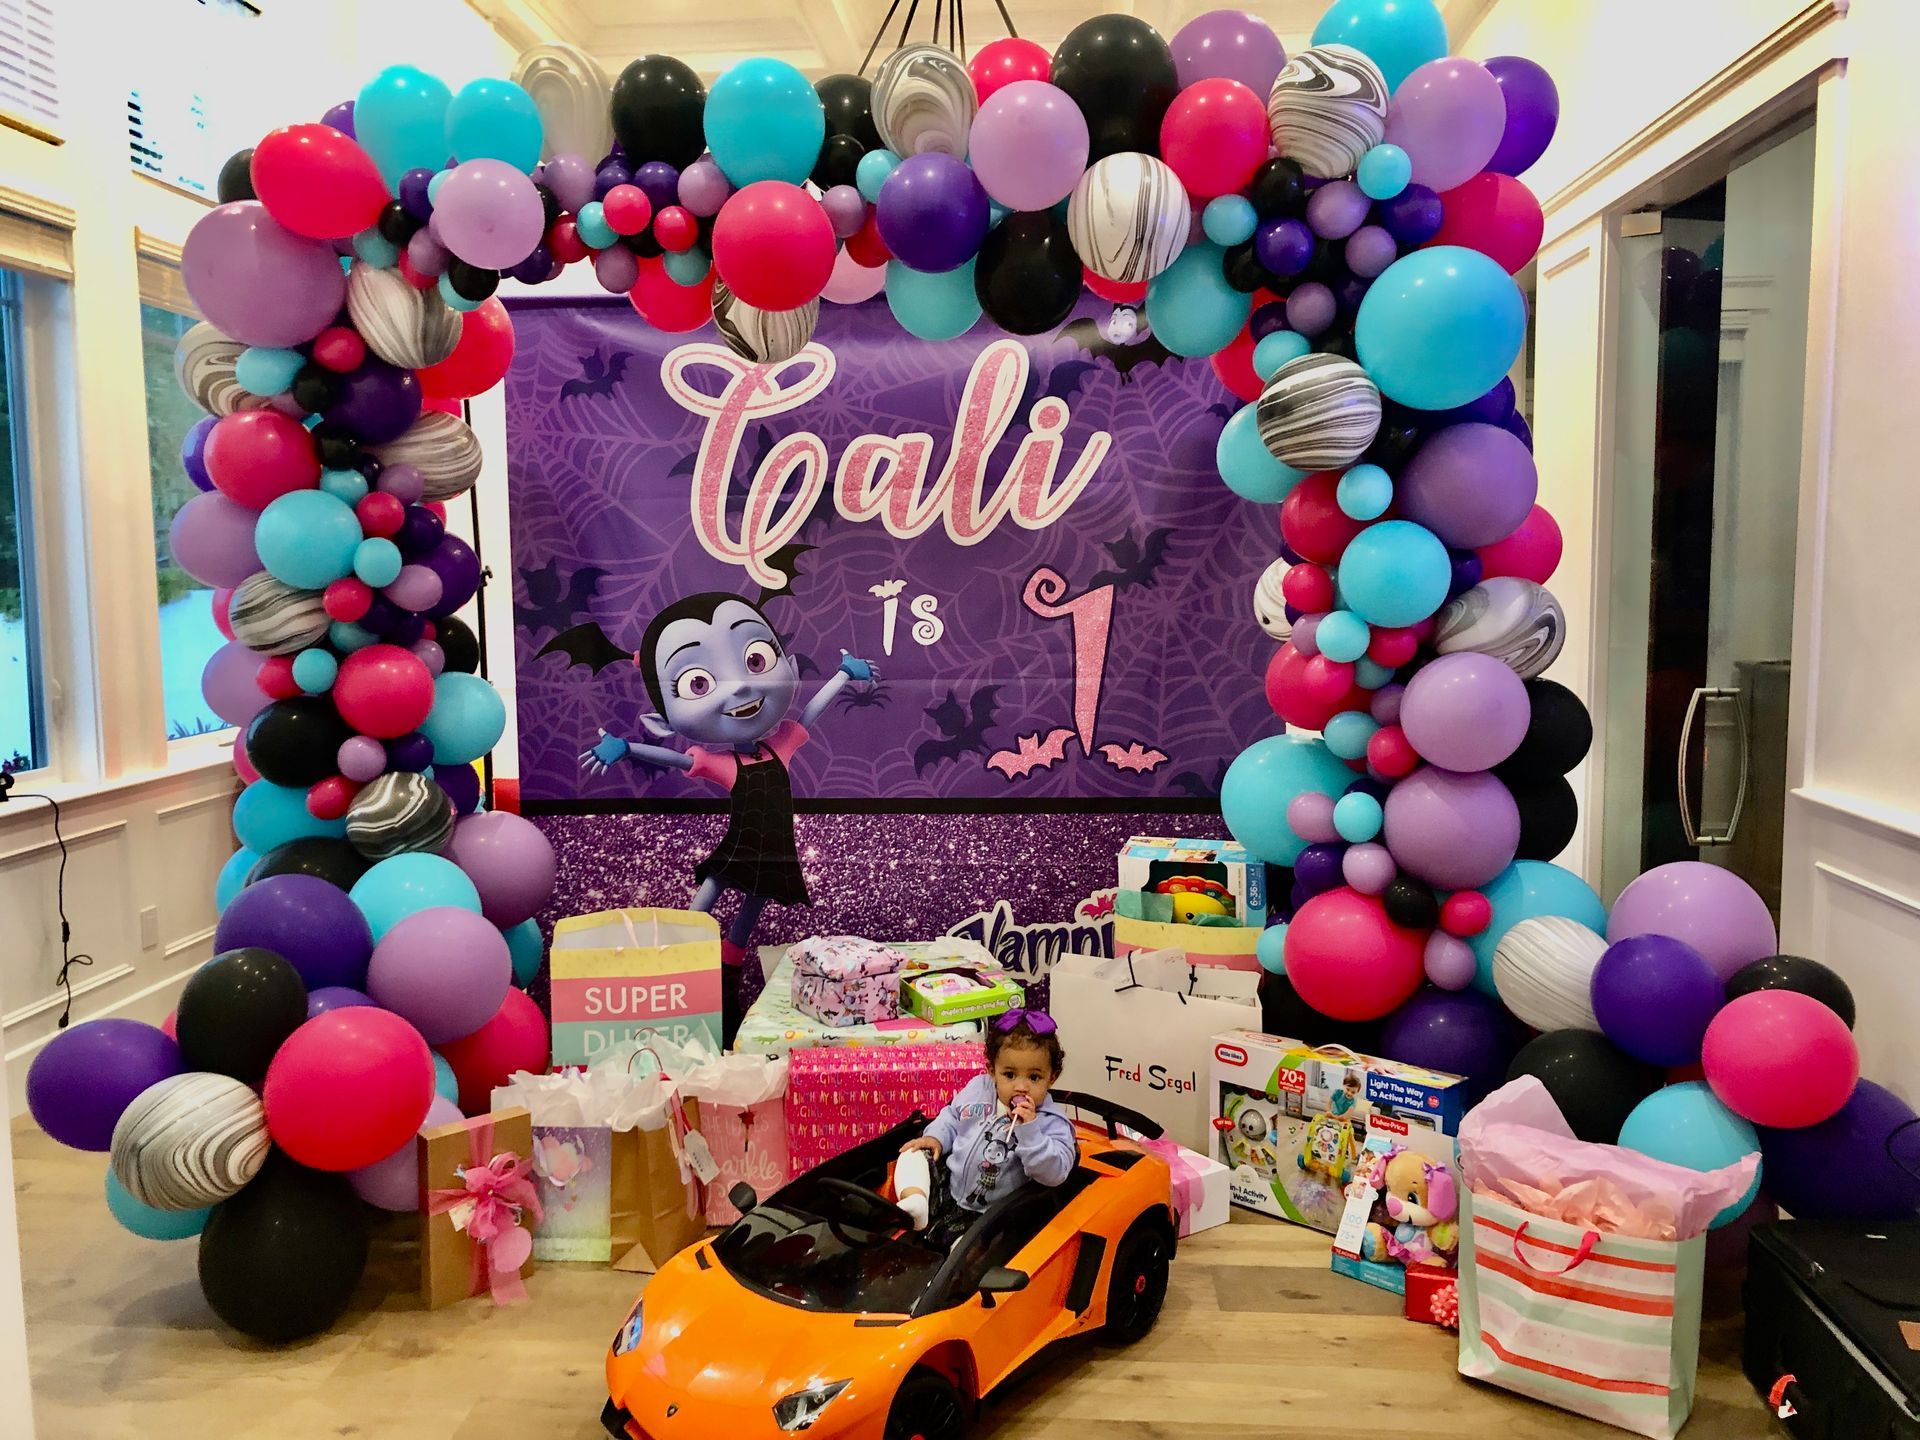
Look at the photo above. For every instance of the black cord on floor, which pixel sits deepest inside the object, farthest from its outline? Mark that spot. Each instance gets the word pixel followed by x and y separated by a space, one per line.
pixel 68 959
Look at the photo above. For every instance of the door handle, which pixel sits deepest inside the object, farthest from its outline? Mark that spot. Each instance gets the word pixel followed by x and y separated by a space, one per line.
pixel 1693 836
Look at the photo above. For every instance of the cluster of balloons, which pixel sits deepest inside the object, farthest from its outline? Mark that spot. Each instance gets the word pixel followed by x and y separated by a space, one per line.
pixel 375 921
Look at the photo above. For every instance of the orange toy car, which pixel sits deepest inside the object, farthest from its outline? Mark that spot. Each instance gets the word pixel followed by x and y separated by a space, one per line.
pixel 822 1310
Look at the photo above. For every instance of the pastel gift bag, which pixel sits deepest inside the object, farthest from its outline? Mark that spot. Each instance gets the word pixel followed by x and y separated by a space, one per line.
pixel 480 1208
pixel 742 1120
pixel 634 975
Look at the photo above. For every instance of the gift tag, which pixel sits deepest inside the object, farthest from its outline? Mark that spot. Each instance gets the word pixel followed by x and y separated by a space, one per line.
pixel 700 1158
pixel 1353 1220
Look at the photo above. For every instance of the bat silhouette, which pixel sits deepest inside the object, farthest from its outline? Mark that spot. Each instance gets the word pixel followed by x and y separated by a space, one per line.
pixel 1066 378
pixel 1134 758
pixel 552 604
pixel 1136 563
pixel 786 560
pixel 1033 754
pixel 586 645
pixel 1128 343
pixel 1190 782
pixel 963 728
pixel 1224 409
pixel 598 374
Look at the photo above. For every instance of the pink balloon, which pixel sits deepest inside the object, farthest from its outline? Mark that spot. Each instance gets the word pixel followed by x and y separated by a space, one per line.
pixel 852 282
pixel 489 214
pixel 1214 136
pixel 1348 960
pixel 257 281
pixel 1448 115
pixel 1780 1059
pixel 1029 145
pixel 1530 553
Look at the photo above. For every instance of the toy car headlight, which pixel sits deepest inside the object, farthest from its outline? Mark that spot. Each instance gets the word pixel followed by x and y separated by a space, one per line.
pixel 629 1333
pixel 800 1409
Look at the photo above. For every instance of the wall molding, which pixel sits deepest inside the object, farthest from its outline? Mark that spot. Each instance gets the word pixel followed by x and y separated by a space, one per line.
pixel 1893 822
pixel 56 998
pixel 191 941
pixel 1869 888
pixel 80 837
pixel 37 208
pixel 186 807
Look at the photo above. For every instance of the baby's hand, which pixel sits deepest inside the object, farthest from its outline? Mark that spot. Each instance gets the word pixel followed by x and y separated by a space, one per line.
pixel 1022 1108
pixel 927 1143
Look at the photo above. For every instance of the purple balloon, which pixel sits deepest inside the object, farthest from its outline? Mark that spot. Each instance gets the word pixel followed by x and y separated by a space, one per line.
pixel 382 615
pixel 193 451
pixel 259 282
pixel 1516 426
pixel 1532 113
pixel 1860 1165
pixel 1708 906
pixel 1466 711
pixel 408 631
pixel 211 538
pixel 230 683
pixel 1317 869
pixel 510 862
pixel 1457 1032
pixel 1385 705
pixel 1269 319
pixel 1348 292
pixel 609 176
pixel 420 530
pixel 308 922
pixel 537 268
pixel 571 180
pixel 402 481
pixel 426 254
pixel 444 970
pixel 412 751
pixel 377 402
pixel 415 588
pixel 394 1183
pixel 932 213
pixel 1337 209
pixel 459 571
pixel 1229 44
pixel 462 784
pixel 1469 484
pixel 1451 830
pixel 1492 408
pixel 616 268
pixel 489 214
pixel 704 188
pixel 1448 115
pixel 1413 216
pixel 84 1077
pixel 361 757
pixel 430 655
pixel 845 209
pixel 1283 246
pixel 1449 961
pixel 335 997
pixel 1310 816
pixel 1368 868
pixel 660 182
pixel 1370 250
pixel 1311 308
pixel 340 117
pixel 1654 997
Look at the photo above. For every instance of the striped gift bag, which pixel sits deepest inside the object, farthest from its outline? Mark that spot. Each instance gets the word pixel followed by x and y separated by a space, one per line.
pixel 1603 1325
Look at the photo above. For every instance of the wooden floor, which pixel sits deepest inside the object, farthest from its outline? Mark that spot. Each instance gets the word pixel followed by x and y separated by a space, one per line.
pixel 1258 1340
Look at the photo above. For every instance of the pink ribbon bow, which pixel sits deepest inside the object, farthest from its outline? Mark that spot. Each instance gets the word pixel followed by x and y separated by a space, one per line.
pixel 1186 1175
pixel 499 1189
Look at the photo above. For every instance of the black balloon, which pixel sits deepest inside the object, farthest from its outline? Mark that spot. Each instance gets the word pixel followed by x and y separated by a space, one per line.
pixel 456 641
pixel 1595 1085
pixel 657 106
pixel 316 388
pixel 1284 1013
pixel 644 244
pixel 1243 269
pixel 839 162
pixel 396 223
pixel 235 1011
pixel 295 742
pixel 1338 342
pixel 549 207
pixel 1559 734
pixel 1121 74
pixel 336 446
pixel 1393 444
pixel 471 282
pixel 236 178
pixel 1279 188
pixel 1548 814
pixel 1411 904
pixel 326 857
pixel 281 1259
pixel 1795 972
pixel 848 101
pixel 1028 275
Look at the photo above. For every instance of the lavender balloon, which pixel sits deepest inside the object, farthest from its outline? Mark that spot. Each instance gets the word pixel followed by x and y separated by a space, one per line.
pixel 402 481
pixel 1310 816
pixel 1385 705
pixel 230 683
pixel 489 214
pixel 1471 485
pixel 571 180
pixel 1311 308
pixel 416 588
pixel 1228 44
pixel 1337 209
pixel 704 188
pixel 84 1077
pixel 1029 145
pixel 510 862
pixel 430 655
pixel 1466 711
pixel 1533 113
pixel 257 281
pixel 1370 250
pixel 1448 115
pixel 445 970
pixel 1455 831
pixel 1368 868
pixel 377 402
pixel 193 451
pixel 617 269
pixel 361 758
pixel 1708 906
pixel 933 213
pixel 1449 961
pixel 308 922
pixel 394 1183
pixel 428 255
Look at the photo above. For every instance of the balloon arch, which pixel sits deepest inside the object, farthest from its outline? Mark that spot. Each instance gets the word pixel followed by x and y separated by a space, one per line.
pixel 1338 232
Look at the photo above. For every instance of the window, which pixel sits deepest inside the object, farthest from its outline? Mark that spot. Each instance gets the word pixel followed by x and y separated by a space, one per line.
pixel 29 89
pixel 22 698
pixel 182 112
pixel 188 636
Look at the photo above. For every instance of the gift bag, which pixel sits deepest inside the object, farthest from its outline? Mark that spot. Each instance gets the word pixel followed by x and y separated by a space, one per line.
pixel 742 1119
pixel 573 1114
pixel 1139 1031
pixel 481 1206
pixel 622 975
pixel 655 1204
pixel 1607 1326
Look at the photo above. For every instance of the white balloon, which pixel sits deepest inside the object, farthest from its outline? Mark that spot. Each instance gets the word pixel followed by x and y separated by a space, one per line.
pixel 1543 969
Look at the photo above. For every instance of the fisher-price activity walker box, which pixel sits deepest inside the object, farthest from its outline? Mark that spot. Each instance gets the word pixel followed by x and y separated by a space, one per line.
pixel 1205 898
pixel 1290 1121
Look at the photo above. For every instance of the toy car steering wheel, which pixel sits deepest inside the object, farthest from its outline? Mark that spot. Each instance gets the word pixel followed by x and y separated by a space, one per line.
pixel 881 1213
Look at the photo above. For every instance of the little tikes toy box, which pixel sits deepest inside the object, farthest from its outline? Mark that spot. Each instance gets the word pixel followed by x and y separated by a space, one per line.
pixel 1290 1120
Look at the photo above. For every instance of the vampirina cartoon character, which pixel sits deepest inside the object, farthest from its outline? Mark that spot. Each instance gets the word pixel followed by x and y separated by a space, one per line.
pixel 720 677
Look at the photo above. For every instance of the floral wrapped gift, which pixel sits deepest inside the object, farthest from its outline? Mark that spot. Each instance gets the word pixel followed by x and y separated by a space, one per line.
pixel 845 980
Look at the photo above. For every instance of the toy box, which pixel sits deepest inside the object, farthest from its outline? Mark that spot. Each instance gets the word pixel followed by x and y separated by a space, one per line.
pixel 1206 898
pixel 1290 1121
pixel 1403 1207
pixel 844 980
pixel 945 989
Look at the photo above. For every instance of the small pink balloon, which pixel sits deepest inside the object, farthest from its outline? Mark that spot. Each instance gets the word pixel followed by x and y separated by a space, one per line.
pixel 1368 868
pixel 1450 963
pixel 1310 816
pixel 361 758
pixel 852 282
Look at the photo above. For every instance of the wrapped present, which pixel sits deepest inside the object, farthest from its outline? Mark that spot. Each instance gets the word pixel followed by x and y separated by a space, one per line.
pixel 838 1098
pixel 1199 1186
pixel 844 980
pixel 481 1207
pixel 1433 1295
pixel 774 1025
pixel 947 989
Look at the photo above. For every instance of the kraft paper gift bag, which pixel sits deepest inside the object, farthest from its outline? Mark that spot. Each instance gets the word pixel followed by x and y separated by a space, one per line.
pixel 1139 1031
pixel 624 975
pixel 743 1121
pixel 656 1204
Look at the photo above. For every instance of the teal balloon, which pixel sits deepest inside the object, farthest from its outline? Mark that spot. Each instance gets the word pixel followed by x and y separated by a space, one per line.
pixel 523 944
pixel 407 884
pixel 940 306
pixel 591 222
pixel 400 119
pixel 1395 573
pixel 1262 782
pixel 148 1223
pixel 1525 890
pixel 1397 35
pixel 1687 1125
pixel 262 371
pixel 764 121
pixel 314 671
pixel 1276 350
pixel 1192 308
pixel 1357 817
pixel 1348 639
pixel 1370 674
pixel 467 719
pixel 494 120
pixel 1384 172
pixel 307 539
pixel 376 560
pixel 445 1083
pixel 1248 467
pixel 1229 219
pixel 1440 327
pixel 378 251
pixel 686 267
pixel 348 486
pixel 1347 733
pixel 434 184
pixel 233 876
pixel 347 637
pixel 872 172
pixel 1364 492
pixel 453 299
pixel 266 815
pixel 1271 948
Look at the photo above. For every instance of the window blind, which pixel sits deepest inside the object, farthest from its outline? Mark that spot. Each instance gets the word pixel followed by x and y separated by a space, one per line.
pixel 35 235
pixel 160 282
pixel 29 82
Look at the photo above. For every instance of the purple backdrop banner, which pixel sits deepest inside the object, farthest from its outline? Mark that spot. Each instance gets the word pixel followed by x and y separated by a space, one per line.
pixel 1028 539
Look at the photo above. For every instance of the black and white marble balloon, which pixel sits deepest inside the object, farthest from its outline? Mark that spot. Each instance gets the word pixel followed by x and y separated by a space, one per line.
pixel 1328 108
pixel 1516 621
pixel 274 618
pixel 1129 217
pixel 1318 412
pixel 570 90
pixel 399 813
pixel 1269 604
pixel 190 1141
pixel 924 102
pixel 204 362
pixel 403 326
pixel 762 335
pixel 442 448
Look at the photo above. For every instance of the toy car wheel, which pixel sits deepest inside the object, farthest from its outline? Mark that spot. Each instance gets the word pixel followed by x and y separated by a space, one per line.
pixel 1139 1284
pixel 927 1407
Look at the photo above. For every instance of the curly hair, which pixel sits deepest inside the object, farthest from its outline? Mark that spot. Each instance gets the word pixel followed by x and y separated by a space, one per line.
pixel 1023 1036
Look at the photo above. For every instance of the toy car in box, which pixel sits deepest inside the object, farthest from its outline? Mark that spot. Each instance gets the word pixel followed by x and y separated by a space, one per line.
pixel 1206 898
pixel 1292 1120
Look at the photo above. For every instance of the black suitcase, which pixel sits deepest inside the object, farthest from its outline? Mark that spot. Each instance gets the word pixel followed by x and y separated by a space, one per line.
pixel 1825 1305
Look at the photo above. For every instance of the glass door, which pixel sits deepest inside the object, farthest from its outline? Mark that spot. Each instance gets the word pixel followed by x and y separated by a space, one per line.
pixel 1710 367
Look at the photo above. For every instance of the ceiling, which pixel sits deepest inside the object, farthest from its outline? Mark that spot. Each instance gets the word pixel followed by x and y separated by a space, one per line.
pixel 824 36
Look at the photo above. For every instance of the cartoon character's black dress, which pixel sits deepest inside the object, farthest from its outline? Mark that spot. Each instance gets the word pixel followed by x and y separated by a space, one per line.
pixel 757 854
